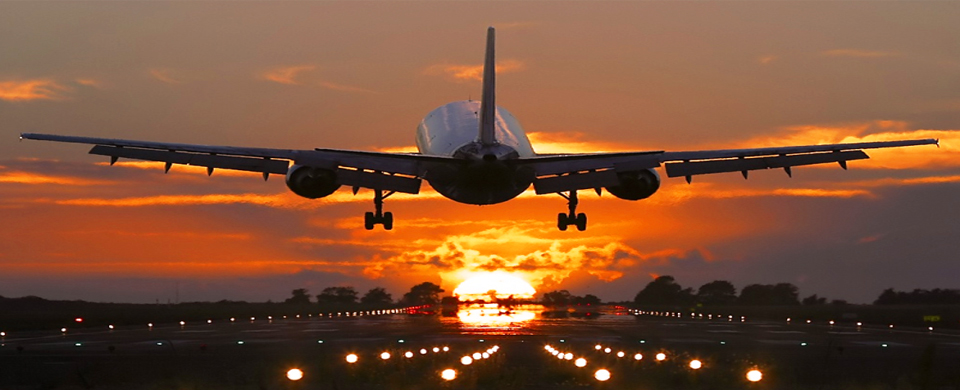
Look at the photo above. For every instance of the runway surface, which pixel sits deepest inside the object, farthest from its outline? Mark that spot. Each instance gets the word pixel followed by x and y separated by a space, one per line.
pixel 257 353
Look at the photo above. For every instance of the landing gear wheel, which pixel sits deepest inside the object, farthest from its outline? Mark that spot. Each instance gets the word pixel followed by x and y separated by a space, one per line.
pixel 387 221
pixel 368 220
pixel 562 222
pixel 581 222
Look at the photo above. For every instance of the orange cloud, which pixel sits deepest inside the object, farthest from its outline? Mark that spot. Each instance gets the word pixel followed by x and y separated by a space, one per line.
pixel 767 59
pixel 26 90
pixel 287 74
pixel 36 178
pixel 88 82
pixel 462 73
pixel 858 53
pixel 165 75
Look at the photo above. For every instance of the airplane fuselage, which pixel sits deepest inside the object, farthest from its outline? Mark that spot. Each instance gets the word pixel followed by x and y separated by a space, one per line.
pixel 488 177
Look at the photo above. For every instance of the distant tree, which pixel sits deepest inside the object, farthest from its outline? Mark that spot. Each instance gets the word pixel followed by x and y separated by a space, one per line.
pixel 425 293
pixel 588 299
pixel 337 295
pixel 376 296
pixel 299 296
pixel 814 300
pixel 663 291
pixel 717 292
pixel 838 302
pixel 557 297
pixel 937 296
pixel 769 294
pixel 887 297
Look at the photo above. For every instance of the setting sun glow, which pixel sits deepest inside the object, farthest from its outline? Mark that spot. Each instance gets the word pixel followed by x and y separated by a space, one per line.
pixel 489 285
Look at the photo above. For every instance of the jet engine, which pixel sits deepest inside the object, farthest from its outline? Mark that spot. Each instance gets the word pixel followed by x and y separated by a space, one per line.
pixel 636 185
pixel 310 182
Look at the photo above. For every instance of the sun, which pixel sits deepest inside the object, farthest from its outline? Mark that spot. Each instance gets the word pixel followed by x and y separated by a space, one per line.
pixel 499 284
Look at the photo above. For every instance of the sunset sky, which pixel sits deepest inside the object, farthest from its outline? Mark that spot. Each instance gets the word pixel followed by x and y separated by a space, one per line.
pixel 580 77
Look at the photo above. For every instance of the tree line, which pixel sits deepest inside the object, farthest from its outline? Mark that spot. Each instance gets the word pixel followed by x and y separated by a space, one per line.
pixel 425 293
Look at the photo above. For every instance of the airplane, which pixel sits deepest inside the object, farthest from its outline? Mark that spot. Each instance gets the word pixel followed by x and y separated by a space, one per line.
pixel 475 152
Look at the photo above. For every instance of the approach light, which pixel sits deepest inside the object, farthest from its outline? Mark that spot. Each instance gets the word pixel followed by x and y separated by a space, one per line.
pixel 294 374
pixel 352 358
pixel 449 374
pixel 696 364
pixel 581 362
pixel 638 357
pixel 661 357
pixel 408 354
pixel 754 375
pixel 568 356
pixel 621 354
pixel 485 355
pixel 466 360
pixel 477 356
pixel 423 351
pixel 602 375
pixel 385 355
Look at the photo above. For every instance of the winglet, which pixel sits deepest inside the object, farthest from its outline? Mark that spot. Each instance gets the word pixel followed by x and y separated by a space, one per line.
pixel 488 105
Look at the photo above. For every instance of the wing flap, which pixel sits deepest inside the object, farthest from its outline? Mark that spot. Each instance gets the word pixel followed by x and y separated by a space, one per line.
pixel 250 164
pixel 378 181
pixel 576 181
pixel 691 168
pixel 560 164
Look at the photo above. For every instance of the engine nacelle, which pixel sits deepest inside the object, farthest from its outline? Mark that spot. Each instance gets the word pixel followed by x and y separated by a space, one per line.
pixel 310 182
pixel 636 185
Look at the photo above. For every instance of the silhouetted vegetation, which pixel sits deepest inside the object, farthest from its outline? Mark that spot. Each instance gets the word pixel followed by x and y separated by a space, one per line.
pixel 377 296
pixel 769 294
pixel 299 296
pixel 563 297
pixel 936 296
pixel 717 292
pixel 664 290
pixel 425 293
pixel 337 295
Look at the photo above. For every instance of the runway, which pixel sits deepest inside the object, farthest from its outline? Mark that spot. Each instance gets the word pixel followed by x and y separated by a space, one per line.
pixel 256 353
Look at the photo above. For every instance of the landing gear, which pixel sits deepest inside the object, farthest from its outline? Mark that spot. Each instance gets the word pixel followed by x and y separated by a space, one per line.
pixel 564 220
pixel 371 219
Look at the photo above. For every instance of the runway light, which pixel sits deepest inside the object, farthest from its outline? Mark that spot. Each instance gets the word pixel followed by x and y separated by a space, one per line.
pixel 891 326
pixel 110 327
pixel 294 374
pixel 63 330
pixel 159 343
pixel 883 345
pixel 449 374
pixel 352 358
pixel 385 355
pixel 598 347
pixel 466 360
pixel 696 364
pixel 477 356
pixel 423 351
pixel 182 323
pixel 831 322
pixel 661 357
pixel 606 350
pixel 150 325
pixel 485 355
pixel 232 319
pixel 319 341
pixel 581 362
pixel 602 375
pixel 754 375
pixel 445 349
pixel 638 357
pixel 400 341
pixel 3 334
pixel 568 356
pixel 859 324
pixel 78 344
pixel 78 319
pixel 240 342
pixel 621 354
pixel 435 349
pixel 803 344
pixel 930 329
pixel 408 354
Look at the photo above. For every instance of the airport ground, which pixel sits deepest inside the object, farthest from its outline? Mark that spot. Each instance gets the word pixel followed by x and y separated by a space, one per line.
pixel 257 353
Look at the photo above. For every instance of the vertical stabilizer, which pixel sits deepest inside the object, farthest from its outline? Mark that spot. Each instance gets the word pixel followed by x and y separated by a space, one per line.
pixel 488 104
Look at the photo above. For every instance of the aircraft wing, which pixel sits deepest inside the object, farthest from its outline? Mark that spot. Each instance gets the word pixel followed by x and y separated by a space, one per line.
pixel 556 173
pixel 385 171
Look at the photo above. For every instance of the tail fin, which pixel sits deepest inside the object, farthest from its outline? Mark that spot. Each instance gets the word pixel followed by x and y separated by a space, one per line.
pixel 488 105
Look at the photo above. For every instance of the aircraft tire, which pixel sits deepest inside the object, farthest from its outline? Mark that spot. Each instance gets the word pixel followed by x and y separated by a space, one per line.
pixel 368 220
pixel 387 221
pixel 562 222
pixel 581 222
